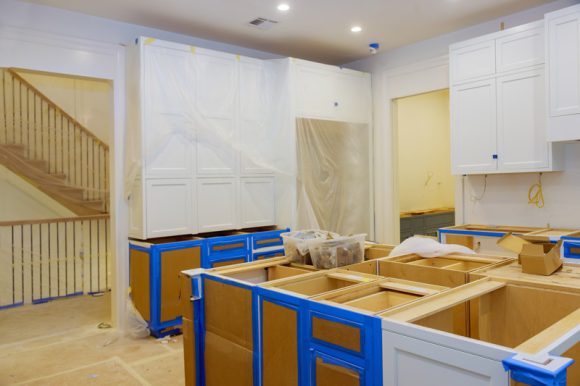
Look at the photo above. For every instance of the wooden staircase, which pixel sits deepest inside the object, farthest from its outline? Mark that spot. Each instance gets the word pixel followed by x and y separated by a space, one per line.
pixel 50 149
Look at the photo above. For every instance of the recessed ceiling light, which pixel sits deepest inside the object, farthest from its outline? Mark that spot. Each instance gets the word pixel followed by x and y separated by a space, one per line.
pixel 283 7
pixel 356 28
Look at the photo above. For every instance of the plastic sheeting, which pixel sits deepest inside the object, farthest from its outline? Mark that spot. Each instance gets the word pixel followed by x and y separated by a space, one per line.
pixel 426 247
pixel 333 176
pixel 189 97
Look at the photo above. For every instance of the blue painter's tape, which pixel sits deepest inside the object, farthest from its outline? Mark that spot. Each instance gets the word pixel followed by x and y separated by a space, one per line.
pixel 526 372
pixel 470 233
pixel 11 305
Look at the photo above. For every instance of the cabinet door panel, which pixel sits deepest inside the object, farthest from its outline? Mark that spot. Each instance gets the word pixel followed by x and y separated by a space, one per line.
pixel 169 207
pixel 255 131
pixel 473 127
pixel 564 64
pixel 257 204
pixel 411 362
pixel 473 61
pixel 215 101
pixel 353 97
pixel 315 92
pixel 520 50
pixel 169 135
pixel 217 204
pixel 522 122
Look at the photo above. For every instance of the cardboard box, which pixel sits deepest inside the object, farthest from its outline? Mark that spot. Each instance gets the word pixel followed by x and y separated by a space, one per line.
pixel 538 258
pixel 541 258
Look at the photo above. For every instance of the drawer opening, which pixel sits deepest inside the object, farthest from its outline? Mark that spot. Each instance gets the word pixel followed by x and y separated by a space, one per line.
pixel 321 284
pixel 434 262
pixel 510 315
pixel 382 300
pixel 172 239
pixel 266 274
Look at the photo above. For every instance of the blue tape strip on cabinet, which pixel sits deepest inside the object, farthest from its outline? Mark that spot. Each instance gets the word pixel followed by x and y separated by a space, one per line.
pixel 527 372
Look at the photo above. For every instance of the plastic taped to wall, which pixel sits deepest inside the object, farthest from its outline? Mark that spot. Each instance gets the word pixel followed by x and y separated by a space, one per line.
pixel 333 175
pixel 136 326
pixel 427 247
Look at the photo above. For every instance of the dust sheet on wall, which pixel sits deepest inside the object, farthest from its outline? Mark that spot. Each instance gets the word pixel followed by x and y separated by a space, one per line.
pixel 333 176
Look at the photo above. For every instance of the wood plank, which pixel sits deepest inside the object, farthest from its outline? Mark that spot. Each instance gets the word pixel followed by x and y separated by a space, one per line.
pixel 551 334
pixel 443 301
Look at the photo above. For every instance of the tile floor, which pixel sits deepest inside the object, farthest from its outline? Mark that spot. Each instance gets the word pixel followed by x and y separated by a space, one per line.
pixel 58 343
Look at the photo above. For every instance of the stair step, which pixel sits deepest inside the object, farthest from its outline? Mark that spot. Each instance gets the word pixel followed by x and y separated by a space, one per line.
pixel 73 193
pixel 59 176
pixel 94 204
pixel 40 165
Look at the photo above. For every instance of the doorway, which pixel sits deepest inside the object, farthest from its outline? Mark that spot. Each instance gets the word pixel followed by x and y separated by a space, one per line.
pixel 426 187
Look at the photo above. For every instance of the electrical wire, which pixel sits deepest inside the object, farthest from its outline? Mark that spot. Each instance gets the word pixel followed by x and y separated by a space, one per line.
pixel 480 197
pixel 536 194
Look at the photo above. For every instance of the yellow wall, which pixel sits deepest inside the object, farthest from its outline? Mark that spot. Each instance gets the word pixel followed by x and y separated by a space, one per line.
pixel 89 101
pixel 425 180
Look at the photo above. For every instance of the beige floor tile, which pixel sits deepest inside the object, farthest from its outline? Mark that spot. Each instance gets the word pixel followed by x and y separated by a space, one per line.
pixel 167 370
pixel 107 373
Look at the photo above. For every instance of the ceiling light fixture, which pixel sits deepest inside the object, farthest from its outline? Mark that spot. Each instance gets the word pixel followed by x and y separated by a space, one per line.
pixel 356 29
pixel 283 7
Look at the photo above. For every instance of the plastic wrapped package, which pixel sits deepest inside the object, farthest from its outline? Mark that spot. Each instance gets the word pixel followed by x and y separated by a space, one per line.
pixel 426 247
pixel 338 252
pixel 297 244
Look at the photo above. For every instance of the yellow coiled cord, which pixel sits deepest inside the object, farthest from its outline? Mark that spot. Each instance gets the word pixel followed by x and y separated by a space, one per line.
pixel 535 194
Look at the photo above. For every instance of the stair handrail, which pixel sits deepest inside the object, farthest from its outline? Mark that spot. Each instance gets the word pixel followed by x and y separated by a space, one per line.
pixel 13 72
pixel 54 220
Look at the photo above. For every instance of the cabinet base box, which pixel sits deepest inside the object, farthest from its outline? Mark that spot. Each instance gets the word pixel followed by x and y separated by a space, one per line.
pixel 227 363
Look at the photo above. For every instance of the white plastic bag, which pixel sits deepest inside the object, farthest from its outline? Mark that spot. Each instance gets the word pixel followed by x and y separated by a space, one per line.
pixel 136 326
pixel 426 247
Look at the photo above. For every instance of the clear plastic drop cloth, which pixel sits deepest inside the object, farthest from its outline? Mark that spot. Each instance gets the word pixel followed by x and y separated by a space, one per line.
pixel 333 176
pixel 427 247
pixel 239 114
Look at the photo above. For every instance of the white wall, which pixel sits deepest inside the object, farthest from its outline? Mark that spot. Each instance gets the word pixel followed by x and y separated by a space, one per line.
pixel 22 201
pixel 423 148
pixel 57 21
pixel 89 101
pixel 422 67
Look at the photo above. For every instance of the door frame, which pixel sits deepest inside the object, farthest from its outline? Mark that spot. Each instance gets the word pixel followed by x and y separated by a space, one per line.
pixel 390 84
pixel 47 52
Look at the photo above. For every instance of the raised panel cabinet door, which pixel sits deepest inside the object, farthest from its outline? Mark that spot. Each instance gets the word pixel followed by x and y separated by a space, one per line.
pixel 472 61
pixel 169 135
pixel 169 207
pixel 255 127
pixel 257 201
pixel 563 34
pixel 315 92
pixel 520 49
pixel 473 127
pixel 409 361
pixel 353 96
pixel 521 128
pixel 215 112
pixel 217 204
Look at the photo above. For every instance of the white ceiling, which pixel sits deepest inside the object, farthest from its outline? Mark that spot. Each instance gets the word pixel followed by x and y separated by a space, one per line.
pixel 313 29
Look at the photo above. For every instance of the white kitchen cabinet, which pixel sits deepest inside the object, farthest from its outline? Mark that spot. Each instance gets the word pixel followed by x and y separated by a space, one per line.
pixel 330 92
pixel 472 60
pixel 521 126
pixel 169 207
pixel 563 67
pixel 216 100
pixel 255 122
pixel 217 204
pixel 167 141
pixel 521 47
pixel 257 201
pixel 498 121
pixel 473 143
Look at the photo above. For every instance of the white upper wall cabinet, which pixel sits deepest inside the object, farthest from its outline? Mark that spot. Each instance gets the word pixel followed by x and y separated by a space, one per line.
pixel 169 145
pixel 473 144
pixel 498 115
pixel 254 193
pixel 217 204
pixel 563 68
pixel 329 92
pixel 472 61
